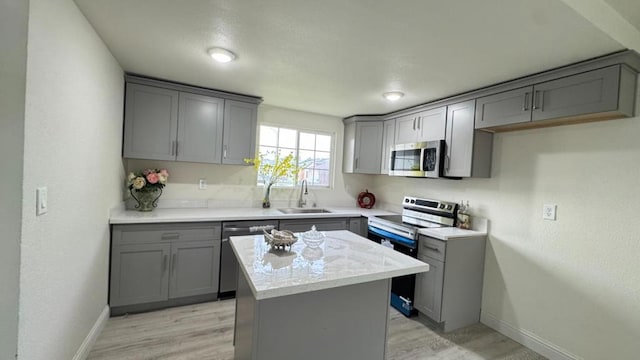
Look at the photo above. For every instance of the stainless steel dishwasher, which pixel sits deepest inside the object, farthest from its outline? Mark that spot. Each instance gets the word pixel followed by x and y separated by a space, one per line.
pixel 228 262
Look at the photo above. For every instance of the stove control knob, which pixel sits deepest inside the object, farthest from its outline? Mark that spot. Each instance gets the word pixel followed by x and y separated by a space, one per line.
pixel 406 200
pixel 413 201
pixel 449 207
pixel 441 206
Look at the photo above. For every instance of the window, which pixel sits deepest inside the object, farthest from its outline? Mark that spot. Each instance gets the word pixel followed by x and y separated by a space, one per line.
pixel 312 151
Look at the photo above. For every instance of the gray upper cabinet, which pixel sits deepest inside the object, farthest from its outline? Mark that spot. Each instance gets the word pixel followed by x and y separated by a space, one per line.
pixel 406 132
pixel 167 121
pixel 591 92
pixel 151 122
pixel 432 124
pixel 388 140
pixel 593 95
pixel 468 151
pixel 199 128
pixel 362 150
pixel 240 123
pixel 427 125
pixel 510 107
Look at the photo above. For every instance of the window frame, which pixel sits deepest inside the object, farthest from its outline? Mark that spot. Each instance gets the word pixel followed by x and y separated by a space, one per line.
pixel 332 152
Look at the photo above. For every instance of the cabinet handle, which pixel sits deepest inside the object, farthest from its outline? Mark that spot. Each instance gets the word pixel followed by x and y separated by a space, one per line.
pixel 432 248
pixel 525 106
pixel 173 148
pixel 356 163
pixel 224 152
pixel 419 121
pixel 164 263
pixel 542 100
pixel 414 123
pixel 225 240
pixel 173 263
pixel 535 99
pixel 446 162
pixel 177 147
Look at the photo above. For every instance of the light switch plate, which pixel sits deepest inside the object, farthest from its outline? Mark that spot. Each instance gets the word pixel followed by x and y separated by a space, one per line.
pixel 42 205
pixel 202 184
pixel 549 211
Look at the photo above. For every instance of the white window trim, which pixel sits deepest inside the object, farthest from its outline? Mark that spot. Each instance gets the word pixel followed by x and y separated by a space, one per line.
pixel 332 159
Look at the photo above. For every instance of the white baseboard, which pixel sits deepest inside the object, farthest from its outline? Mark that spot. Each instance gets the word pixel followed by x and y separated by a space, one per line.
pixel 92 336
pixel 527 338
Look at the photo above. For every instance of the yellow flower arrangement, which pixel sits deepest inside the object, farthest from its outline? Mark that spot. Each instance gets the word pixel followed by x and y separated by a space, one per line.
pixel 273 171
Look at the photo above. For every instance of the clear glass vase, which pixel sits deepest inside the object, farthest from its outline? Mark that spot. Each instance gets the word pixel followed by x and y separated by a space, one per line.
pixel 146 200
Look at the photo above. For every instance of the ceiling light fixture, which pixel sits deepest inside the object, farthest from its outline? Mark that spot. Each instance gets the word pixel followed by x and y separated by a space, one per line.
pixel 221 55
pixel 393 95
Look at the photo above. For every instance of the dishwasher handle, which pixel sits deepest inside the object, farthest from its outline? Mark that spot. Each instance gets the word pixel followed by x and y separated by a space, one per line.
pixel 248 230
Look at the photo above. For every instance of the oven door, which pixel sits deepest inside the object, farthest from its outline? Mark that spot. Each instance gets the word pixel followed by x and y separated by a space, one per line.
pixel 402 287
pixel 406 160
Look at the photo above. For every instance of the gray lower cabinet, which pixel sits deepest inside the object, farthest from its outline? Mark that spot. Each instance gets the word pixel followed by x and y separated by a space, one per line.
pixel 139 274
pixel 362 150
pixel 450 293
pixel 597 94
pixel 302 225
pixel 160 265
pixel 468 151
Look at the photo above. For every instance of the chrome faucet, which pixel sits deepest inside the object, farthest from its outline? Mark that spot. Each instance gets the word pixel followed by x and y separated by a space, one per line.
pixel 303 191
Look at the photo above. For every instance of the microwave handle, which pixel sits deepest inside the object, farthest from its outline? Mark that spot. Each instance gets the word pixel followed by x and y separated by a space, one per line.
pixel 422 169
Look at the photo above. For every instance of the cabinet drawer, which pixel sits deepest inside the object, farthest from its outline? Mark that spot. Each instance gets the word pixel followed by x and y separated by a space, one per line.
pixel 155 233
pixel 432 248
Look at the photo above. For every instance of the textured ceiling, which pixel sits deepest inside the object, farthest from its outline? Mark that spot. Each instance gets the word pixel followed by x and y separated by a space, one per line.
pixel 337 57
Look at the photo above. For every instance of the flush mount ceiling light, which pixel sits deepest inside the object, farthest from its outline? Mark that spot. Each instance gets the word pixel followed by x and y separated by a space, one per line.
pixel 221 55
pixel 393 95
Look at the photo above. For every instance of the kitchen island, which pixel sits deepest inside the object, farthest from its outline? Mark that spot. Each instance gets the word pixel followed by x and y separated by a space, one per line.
pixel 329 302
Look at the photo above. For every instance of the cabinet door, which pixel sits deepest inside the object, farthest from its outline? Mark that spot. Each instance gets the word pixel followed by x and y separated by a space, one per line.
pixel 150 122
pixel 510 107
pixel 428 296
pixel 200 128
pixel 349 148
pixel 194 268
pixel 459 138
pixel 406 129
pixel 355 225
pixel 388 140
pixel 240 123
pixel 431 124
pixel 139 274
pixel 368 147
pixel 590 92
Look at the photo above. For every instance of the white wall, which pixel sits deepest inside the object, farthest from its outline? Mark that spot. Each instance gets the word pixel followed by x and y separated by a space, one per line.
pixel 229 184
pixel 13 62
pixel 574 282
pixel 73 126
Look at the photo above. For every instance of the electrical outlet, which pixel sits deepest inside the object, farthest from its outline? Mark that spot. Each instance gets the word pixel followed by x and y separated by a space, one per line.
pixel 41 201
pixel 202 184
pixel 549 211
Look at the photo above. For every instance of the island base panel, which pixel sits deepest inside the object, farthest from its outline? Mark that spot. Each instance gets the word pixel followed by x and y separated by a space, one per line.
pixel 347 322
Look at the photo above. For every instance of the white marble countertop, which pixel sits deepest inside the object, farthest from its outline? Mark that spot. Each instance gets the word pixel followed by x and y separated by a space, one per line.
pixel 121 216
pixel 343 259
pixel 480 226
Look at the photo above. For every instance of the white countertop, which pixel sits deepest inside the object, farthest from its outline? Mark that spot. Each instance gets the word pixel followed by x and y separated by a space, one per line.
pixel 121 216
pixel 450 233
pixel 343 259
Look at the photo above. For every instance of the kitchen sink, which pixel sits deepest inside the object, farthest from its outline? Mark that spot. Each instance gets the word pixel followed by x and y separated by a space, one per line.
pixel 304 211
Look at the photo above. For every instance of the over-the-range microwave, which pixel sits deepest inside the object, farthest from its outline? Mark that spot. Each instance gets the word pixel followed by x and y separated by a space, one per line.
pixel 422 159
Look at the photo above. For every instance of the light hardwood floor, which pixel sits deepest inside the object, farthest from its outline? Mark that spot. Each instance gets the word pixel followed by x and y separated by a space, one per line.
pixel 205 331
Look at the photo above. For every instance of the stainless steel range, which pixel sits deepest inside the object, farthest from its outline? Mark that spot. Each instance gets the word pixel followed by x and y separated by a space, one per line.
pixel 400 232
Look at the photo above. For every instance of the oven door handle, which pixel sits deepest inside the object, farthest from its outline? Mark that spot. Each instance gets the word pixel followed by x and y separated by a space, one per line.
pixel 391 236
